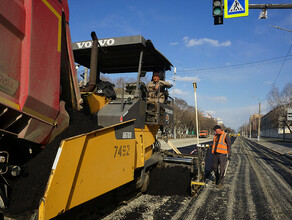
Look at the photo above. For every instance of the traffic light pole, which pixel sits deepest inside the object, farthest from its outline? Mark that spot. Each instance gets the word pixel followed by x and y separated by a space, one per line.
pixel 270 6
pixel 218 8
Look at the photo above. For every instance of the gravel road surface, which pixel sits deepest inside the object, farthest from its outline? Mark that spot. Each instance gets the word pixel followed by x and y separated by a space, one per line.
pixel 257 186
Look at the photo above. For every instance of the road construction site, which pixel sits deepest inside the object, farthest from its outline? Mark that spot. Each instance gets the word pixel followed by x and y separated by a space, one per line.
pixel 83 145
pixel 257 186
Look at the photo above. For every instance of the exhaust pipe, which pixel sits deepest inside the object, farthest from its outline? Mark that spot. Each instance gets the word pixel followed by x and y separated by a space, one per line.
pixel 93 64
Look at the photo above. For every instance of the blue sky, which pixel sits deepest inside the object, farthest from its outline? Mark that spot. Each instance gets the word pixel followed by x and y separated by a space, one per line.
pixel 184 32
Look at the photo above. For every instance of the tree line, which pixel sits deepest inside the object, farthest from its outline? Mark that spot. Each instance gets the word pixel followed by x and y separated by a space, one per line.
pixel 185 120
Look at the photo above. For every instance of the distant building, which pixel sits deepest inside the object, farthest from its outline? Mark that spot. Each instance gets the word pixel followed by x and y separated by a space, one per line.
pixel 273 126
pixel 253 122
pixel 207 115
pixel 219 121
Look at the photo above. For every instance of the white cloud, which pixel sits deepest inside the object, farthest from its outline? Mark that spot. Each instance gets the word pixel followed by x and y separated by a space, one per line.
pixel 173 43
pixel 180 92
pixel 218 99
pixel 191 42
pixel 169 81
pixel 187 78
pixel 268 82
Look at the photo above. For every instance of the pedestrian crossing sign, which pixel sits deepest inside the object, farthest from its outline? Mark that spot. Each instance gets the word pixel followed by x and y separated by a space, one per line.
pixel 235 8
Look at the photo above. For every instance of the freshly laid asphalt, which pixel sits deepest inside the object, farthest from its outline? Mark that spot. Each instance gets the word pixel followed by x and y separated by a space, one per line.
pixel 258 185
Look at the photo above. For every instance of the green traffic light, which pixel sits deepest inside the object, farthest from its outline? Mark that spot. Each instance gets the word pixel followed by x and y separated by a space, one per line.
pixel 217 11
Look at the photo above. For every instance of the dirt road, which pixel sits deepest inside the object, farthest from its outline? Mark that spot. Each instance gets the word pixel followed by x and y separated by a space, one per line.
pixel 257 186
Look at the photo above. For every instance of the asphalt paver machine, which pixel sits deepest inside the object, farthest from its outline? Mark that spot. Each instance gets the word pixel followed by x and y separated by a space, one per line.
pixel 60 145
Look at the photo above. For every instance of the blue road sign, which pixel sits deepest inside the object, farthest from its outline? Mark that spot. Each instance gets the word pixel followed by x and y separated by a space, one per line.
pixel 235 8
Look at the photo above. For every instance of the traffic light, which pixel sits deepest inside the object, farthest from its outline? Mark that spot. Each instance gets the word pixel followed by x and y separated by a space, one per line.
pixel 218 11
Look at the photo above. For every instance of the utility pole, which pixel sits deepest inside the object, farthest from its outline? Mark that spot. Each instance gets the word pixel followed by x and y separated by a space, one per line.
pixel 197 123
pixel 284 130
pixel 85 76
pixel 246 130
pixel 259 124
pixel 249 127
pixel 174 127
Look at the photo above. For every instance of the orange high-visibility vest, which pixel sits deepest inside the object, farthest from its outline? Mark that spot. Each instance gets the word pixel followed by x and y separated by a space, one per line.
pixel 222 145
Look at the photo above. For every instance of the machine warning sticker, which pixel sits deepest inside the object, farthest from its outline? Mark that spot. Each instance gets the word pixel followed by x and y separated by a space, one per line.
pixel 127 135
pixel 125 131
pixel 8 85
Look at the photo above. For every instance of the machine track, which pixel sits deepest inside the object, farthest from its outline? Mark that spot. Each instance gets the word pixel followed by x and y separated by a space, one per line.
pixel 257 186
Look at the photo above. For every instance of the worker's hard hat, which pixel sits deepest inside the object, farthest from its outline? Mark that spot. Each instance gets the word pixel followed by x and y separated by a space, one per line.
pixel 216 127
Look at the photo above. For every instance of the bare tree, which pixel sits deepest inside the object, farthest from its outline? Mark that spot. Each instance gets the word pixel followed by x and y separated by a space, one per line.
pixel 185 118
pixel 206 123
pixel 280 101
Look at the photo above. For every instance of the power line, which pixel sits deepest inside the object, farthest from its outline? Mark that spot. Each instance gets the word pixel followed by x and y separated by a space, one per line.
pixel 189 71
pixel 282 64
pixel 279 70
pixel 281 28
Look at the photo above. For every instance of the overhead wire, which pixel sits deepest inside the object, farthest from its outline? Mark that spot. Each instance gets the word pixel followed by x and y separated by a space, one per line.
pixel 280 70
pixel 276 59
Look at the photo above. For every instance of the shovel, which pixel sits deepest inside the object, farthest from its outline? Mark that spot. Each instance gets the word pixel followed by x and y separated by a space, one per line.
pixel 226 167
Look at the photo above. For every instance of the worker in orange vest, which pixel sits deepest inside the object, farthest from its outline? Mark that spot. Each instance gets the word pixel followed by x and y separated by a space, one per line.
pixel 221 149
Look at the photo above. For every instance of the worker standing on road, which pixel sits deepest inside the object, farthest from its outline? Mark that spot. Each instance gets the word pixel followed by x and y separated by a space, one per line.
pixel 221 149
